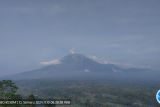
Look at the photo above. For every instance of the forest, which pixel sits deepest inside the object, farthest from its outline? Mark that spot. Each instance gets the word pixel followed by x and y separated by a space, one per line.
pixel 82 93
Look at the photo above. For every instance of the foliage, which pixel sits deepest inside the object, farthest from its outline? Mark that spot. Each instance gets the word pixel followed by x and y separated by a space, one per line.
pixel 94 93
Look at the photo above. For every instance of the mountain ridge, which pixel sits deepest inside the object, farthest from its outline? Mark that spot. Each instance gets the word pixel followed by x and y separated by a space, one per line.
pixel 79 66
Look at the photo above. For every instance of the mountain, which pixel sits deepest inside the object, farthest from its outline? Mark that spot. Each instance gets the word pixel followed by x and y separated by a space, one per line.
pixel 77 66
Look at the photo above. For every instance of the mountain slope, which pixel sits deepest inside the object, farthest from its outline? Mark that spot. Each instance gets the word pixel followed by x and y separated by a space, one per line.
pixel 75 66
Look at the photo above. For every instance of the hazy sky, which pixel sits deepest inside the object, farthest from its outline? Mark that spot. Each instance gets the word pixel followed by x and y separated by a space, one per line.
pixel 119 31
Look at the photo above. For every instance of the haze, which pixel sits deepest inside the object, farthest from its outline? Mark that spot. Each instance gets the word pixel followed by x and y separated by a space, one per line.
pixel 118 31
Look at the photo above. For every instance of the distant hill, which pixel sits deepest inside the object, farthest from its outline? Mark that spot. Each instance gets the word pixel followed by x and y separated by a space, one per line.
pixel 77 66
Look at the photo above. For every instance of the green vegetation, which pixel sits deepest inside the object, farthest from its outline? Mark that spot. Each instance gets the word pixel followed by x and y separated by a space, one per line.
pixel 82 93
pixel 102 93
pixel 8 91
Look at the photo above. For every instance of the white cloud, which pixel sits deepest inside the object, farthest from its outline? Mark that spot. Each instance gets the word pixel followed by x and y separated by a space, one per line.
pixel 103 61
pixel 87 70
pixel 93 57
pixel 99 60
pixel 72 51
pixel 52 62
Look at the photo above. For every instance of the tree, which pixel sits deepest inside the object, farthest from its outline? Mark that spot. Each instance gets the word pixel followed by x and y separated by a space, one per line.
pixel 31 97
pixel 8 91
pixel 88 103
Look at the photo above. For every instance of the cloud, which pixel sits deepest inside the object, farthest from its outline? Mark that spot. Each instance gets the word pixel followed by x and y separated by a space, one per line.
pixel 72 51
pixel 104 61
pixel 52 62
pixel 97 59
pixel 93 57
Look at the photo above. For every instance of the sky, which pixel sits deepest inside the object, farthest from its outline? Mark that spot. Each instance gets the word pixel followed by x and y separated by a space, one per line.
pixel 125 32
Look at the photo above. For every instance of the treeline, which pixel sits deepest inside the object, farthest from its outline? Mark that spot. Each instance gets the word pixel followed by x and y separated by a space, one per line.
pixel 8 92
pixel 82 93
pixel 96 93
